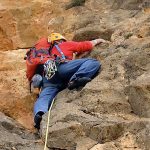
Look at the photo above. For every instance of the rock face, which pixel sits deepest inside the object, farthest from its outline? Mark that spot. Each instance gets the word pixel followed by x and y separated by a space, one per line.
pixel 113 107
pixel 22 23
pixel 15 137
pixel 26 22
pixel 15 99
pixel 111 112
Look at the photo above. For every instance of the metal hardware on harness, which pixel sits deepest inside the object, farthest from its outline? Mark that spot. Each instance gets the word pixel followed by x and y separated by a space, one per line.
pixel 50 68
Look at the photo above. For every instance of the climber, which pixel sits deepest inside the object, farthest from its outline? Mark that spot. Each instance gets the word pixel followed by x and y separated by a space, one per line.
pixel 61 71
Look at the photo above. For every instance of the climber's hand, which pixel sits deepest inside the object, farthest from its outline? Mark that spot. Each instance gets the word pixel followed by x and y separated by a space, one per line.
pixel 98 41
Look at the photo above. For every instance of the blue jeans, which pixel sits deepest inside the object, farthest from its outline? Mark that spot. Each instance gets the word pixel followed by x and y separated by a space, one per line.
pixel 67 71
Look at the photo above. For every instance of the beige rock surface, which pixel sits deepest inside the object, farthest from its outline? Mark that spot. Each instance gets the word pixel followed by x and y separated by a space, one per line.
pixel 14 137
pixel 109 113
pixel 15 100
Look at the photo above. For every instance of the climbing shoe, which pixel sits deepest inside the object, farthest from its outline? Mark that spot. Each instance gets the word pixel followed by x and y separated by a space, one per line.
pixel 37 120
pixel 80 82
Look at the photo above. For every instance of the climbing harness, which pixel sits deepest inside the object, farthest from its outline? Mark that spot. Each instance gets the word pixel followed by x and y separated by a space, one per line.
pixel 48 120
pixel 50 66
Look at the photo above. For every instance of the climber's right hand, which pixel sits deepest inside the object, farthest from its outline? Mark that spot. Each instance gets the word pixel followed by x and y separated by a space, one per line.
pixel 98 41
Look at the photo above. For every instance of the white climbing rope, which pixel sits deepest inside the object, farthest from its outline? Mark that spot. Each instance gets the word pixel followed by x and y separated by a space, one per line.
pixel 49 113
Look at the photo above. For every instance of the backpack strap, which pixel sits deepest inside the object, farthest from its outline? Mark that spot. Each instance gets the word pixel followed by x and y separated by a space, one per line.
pixel 60 51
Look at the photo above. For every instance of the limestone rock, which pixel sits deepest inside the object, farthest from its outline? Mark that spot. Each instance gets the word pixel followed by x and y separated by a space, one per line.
pixel 110 112
pixel 23 23
pixel 15 100
pixel 140 88
pixel 13 136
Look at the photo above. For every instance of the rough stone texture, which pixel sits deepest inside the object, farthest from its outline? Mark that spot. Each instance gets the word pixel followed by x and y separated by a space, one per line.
pixel 138 90
pixel 14 137
pixel 22 23
pixel 111 106
pixel 112 112
pixel 15 98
